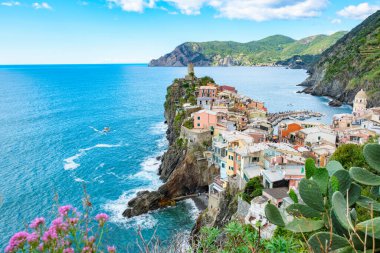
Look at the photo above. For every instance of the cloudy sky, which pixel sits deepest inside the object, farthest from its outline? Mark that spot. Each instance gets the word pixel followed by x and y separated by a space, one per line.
pixel 135 31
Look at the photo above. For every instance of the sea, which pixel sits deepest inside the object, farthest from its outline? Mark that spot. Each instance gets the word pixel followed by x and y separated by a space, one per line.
pixel 53 147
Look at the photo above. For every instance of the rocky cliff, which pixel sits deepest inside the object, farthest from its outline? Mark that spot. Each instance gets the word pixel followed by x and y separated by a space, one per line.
pixel 183 169
pixel 353 63
pixel 273 50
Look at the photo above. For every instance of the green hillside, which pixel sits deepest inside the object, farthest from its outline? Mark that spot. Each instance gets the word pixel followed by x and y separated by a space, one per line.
pixel 266 51
pixel 353 63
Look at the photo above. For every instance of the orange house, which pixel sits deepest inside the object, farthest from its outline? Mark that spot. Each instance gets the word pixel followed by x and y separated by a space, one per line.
pixel 290 128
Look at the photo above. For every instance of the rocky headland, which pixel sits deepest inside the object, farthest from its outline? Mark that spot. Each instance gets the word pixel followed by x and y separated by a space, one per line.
pixel 183 169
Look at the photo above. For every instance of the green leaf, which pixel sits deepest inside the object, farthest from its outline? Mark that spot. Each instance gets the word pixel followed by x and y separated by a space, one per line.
pixel 344 180
pixel 353 193
pixel 368 202
pixel 375 191
pixel 322 242
pixel 302 210
pixel 364 176
pixel 372 155
pixel 339 207
pixel 333 166
pixel 321 176
pixel 273 215
pixel 310 168
pixel 311 194
pixel 293 196
pixel 304 225
pixel 373 227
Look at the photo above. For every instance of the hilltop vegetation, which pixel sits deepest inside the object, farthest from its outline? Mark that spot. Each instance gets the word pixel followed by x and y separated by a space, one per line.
pixel 267 51
pixel 353 63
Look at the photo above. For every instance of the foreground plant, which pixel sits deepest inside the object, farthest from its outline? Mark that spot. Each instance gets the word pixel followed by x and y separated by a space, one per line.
pixel 329 197
pixel 68 233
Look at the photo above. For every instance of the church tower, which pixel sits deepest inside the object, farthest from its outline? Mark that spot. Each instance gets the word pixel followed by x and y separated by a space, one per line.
pixel 360 103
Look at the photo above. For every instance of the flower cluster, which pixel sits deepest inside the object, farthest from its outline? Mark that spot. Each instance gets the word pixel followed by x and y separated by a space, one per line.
pixel 68 233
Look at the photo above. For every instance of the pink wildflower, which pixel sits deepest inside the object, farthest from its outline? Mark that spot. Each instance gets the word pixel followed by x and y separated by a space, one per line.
pixel 50 234
pixel 91 239
pixel 37 222
pixel 59 225
pixel 87 250
pixel 68 250
pixel 17 241
pixel 41 247
pixel 33 238
pixel 111 249
pixel 64 210
pixel 101 218
pixel 73 221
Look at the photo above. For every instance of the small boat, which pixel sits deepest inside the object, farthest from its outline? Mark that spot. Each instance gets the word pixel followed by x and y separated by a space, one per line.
pixel 106 129
pixel 290 104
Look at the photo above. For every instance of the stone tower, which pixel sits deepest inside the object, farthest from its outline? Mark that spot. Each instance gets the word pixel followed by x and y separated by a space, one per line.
pixel 190 72
pixel 360 103
pixel 190 69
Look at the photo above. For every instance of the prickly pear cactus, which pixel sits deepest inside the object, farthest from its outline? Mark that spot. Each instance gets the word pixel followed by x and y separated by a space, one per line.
pixel 328 199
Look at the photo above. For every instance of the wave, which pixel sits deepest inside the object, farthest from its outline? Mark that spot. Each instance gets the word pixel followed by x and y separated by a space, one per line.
pixel 70 162
pixel 158 128
pixel 193 210
pixel 116 208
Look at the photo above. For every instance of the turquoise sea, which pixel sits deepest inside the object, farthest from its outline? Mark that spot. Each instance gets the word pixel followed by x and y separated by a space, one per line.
pixel 51 117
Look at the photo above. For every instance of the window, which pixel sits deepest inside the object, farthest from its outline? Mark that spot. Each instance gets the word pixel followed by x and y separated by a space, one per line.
pixel 199 118
pixel 231 157
pixel 231 168
pixel 198 124
pixel 254 159
pixel 223 165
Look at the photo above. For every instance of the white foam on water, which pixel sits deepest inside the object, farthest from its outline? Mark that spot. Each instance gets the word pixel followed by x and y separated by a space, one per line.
pixel 158 128
pixel 100 166
pixel 70 162
pixel 96 130
pixel 193 209
pixel 162 143
pixel 115 209
pixel 80 180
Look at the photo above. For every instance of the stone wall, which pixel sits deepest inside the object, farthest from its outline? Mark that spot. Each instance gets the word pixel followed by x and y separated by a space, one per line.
pixel 195 136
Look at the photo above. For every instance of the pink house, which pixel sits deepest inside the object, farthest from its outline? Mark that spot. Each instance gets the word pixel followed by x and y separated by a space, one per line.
pixel 204 119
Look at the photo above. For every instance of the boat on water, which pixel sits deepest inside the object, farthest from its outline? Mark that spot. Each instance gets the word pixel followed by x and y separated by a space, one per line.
pixel 290 104
pixel 106 129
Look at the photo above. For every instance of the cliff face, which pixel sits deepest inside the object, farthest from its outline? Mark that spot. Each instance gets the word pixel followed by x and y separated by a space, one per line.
pixel 273 50
pixel 183 169
pixel 350 65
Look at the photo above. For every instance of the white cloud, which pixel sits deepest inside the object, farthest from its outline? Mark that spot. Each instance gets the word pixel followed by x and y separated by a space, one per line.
pixel 336 21
pixel 258 10
pixel 42 5
pixel 360 11
pixel 261 10
pixel 189 7
pixel 132 5
pixel 10 3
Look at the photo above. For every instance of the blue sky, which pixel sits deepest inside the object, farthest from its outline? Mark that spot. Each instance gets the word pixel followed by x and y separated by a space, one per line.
pixel 135 31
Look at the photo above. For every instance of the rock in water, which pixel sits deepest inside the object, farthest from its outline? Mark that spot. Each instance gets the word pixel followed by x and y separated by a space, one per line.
pixel 335 103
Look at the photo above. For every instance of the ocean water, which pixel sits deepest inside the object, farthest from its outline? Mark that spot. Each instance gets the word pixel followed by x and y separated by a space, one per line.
pixel 51 141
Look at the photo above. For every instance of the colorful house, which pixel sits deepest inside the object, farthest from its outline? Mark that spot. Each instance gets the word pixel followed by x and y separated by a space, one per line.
pixel 205 119
pixel 206 96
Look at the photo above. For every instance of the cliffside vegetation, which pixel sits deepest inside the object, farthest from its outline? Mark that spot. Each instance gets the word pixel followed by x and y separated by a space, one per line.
pixel 353 63
pixel 266 51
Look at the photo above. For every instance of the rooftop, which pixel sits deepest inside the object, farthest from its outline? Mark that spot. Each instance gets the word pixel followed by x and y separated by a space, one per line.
pixel 277 193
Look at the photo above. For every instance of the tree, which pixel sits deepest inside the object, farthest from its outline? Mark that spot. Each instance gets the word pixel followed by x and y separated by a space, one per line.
pixel 350 155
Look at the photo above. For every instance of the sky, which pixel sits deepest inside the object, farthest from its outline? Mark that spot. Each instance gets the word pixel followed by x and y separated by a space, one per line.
pixel 136 31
